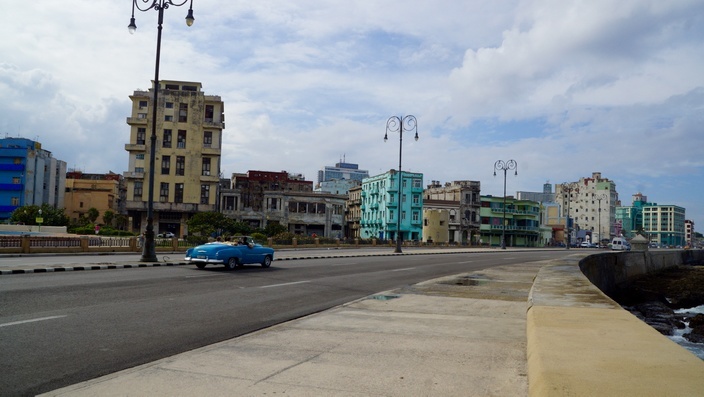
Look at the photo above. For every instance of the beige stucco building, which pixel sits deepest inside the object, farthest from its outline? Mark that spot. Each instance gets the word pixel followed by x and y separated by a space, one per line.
pixel 100 191
pixel 189 129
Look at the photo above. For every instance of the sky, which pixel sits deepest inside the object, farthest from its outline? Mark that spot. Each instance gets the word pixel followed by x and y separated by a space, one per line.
pixel 564 88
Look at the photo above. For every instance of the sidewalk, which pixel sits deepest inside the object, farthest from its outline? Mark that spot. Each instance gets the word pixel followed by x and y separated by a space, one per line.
pixel 463 335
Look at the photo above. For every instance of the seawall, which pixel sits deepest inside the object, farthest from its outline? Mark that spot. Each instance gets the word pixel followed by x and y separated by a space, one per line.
pixel 582 343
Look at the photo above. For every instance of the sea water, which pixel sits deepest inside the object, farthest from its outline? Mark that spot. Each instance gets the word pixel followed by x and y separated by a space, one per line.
pixel 696 348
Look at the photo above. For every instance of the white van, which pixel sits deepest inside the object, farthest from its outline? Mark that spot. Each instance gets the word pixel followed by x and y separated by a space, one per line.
pixel 620 244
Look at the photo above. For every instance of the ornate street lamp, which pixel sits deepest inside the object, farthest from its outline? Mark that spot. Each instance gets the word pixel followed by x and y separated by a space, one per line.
pixel 149 248
pixel 599 198
pixel 569 187
pixel 505 166
pixel 400 124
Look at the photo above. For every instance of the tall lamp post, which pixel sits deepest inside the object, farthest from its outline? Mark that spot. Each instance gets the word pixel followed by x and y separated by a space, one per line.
pixel 569 187
pixel 400 124
pixel 505 166
pixel 149 248
pixel 599 198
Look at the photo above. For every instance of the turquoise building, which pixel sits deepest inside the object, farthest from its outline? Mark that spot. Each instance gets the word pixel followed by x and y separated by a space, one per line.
pixel 380 206
pixel 522 222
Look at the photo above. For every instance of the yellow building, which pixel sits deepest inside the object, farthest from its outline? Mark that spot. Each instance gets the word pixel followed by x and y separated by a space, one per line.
pixel 435 225
pixel 85 191
pixel 188 147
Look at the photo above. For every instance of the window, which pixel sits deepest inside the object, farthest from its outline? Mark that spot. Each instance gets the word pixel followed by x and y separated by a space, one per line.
pixel 169 105
pixel 142 104
pixel 416 199
pixel 18 160
pixel 141 115
pixel 204 194
pixel 164 192
pixel 139 156
pixel 207 138
pixel 206 167
pixel 168 117
pixel 182 112
pixel 16 180
pixel 138 190
pixel 416 217
pixel 403 198
pixel 165 165
pixel 180 165
pixel 141 135
pixel 139 170
pixel 166 141
pixel 416 183
pixel 178 193
pixel 403 215
pixel 16 201
pixel 80 205
pixel 181 139
pixel 405 183
pixel 209 110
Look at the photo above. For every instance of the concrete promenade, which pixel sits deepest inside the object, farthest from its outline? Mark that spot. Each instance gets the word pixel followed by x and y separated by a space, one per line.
pixel 539 329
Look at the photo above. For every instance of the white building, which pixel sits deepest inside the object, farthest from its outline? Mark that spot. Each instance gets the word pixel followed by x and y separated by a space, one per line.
pixel 591 205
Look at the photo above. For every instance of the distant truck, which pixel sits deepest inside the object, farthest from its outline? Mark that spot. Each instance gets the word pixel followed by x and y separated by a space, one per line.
pixel 620 244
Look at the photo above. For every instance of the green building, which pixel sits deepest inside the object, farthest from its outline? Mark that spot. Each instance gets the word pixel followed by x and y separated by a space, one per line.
pixel 522 222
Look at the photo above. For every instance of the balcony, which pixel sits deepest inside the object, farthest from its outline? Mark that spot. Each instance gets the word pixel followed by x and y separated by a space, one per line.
pixel 207 149
pixel 170 207
pixel 133 175
pixel 208 177
pixel 131 147
pixel 210 123
pixel 137 120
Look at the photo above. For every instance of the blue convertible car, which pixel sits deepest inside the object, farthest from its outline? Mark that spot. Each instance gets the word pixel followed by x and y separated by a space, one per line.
pixel 242 251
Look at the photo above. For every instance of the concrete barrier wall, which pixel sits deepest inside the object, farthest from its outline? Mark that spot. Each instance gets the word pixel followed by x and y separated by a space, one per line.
pixel 582 343
pixel 611 269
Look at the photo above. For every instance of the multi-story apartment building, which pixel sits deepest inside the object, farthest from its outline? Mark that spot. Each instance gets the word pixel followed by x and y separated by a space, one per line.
pixel 590 206
pixel 260 198
pixel 29 175
pixel 629 219
pixel 188 147
pixel 664 224
pixel 436 221
pixel 461 199
pixel 353 212
pixel 382 206
pixel 689 232
pixel 519 220
pixel 100 191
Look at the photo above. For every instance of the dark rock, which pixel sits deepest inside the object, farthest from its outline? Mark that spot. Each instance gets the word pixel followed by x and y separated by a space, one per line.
pixel 696 321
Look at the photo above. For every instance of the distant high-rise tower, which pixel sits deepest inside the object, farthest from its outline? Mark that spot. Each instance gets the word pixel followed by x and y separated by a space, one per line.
pixel 342 170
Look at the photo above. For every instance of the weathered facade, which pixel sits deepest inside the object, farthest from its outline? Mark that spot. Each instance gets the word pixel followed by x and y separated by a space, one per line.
pixel 104 192
pixel 520 221
pixel 464 218
pixel 188 147
pixel 353 212
pixel 260 198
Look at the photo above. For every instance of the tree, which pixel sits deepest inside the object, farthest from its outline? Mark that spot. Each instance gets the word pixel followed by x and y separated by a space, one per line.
pixel 274 228
pixel 207 223
pixel 92 214
pixel 108 217
pixel 120 221
pixel 50 216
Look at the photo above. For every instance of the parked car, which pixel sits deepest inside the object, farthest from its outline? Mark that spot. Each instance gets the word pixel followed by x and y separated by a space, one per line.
pixel 587 244
pixel 242 250
pixel 166 235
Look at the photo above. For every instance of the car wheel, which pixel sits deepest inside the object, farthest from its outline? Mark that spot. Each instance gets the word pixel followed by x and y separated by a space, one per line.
pixel 200 265
pixel 267 261
pixel 231 263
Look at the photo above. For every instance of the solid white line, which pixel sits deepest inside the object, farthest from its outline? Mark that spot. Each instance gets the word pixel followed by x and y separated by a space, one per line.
pixel 344 264
pixel 31 321
pixel 403 270
pixel 284 284
pixel 465 262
